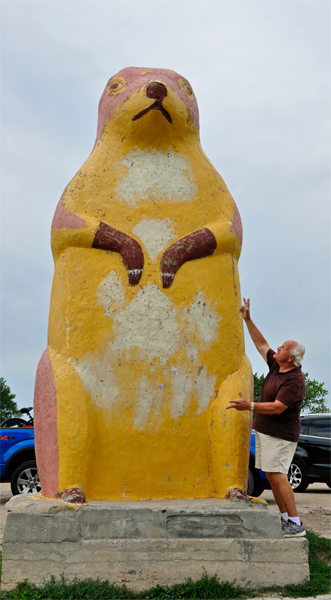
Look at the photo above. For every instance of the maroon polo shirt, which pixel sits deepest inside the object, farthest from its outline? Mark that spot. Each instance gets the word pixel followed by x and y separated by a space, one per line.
pixel 289 388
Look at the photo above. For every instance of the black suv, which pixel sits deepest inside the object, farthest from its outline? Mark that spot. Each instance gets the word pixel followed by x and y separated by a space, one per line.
pixel 312 459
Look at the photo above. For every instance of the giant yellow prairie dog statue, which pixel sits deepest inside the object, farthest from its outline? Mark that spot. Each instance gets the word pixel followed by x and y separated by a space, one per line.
pixel 146 343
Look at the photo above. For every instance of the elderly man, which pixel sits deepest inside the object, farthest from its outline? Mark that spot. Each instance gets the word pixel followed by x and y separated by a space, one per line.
pixel 277 422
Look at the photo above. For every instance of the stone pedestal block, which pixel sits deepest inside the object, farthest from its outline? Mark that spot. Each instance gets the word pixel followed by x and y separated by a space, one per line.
pixel 143 544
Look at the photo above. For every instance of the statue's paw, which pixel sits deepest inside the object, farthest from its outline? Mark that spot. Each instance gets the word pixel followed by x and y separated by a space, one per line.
pixel 167 279
pixel 134 276
pixel 235 494
pixel 73 496
pixel 258 500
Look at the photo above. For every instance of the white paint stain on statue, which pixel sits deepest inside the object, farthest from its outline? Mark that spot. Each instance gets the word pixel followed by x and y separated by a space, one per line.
pixel 148 178
pixel 205 385
pixel 145 404
pixel 155 234
pixel 99 380
pixel 150 398
pixel 110 293
pixel 151 324
pixel 181 388
pixel 185 383
pixel 204 317
pixel 192 351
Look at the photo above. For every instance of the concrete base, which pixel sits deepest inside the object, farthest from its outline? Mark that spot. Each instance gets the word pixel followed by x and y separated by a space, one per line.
pixel 143 544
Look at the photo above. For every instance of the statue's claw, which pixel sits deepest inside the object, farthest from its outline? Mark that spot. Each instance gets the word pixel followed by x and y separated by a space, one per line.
pixel 167 279
pixel 73 496
pixel 236 494
pixel 134 276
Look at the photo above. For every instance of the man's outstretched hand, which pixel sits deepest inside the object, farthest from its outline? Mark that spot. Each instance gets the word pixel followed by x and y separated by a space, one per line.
pixel 241 404
pixel 245 309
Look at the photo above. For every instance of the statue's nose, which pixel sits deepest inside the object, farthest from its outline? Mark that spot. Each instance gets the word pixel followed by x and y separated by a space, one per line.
pixel 156 91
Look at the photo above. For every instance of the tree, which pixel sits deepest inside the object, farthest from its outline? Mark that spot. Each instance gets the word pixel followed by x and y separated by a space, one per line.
pixel 314 401
pixel 258 382
pixel 8 408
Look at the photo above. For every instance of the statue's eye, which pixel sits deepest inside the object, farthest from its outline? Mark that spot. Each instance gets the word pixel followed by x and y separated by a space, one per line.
pixel 185 86
pixel 116 85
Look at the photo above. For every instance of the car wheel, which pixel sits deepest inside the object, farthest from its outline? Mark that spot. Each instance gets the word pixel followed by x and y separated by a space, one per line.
pixel 255 486
pixel 14 422
pixel 25 479
pixel 297 476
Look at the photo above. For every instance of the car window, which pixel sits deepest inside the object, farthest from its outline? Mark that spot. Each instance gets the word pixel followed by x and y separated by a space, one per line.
pixel 320 428
pixel 304 427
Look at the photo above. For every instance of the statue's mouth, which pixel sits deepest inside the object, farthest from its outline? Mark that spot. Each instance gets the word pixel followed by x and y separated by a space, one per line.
pixel 156 91
pixel 157 105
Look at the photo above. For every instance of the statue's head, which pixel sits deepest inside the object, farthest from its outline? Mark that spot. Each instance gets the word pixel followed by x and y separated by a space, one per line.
pixel 148 105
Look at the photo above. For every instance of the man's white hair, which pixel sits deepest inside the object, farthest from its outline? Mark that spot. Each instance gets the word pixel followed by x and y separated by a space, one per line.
pixel 298 351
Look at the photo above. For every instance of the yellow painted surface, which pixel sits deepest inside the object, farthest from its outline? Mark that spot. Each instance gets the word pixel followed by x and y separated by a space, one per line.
pixel 143 374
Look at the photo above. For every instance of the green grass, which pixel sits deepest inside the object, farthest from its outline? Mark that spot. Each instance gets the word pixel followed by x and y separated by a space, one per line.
pixel 206 588
pixel 320 570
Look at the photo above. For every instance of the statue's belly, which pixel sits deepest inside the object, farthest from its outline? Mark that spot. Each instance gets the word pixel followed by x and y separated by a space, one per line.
pixel 150 361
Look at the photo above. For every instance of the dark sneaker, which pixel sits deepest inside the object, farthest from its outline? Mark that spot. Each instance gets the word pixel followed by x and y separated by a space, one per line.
pixel 284 524
pixel 293 530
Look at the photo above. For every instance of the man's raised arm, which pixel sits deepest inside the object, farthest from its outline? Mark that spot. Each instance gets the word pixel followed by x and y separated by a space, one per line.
pixel 260 342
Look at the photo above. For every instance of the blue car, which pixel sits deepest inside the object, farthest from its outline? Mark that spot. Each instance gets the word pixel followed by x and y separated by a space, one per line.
pixel 257 481
pixel 17 455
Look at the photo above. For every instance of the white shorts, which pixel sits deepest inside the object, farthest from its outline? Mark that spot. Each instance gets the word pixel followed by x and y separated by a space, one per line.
pixel 272 454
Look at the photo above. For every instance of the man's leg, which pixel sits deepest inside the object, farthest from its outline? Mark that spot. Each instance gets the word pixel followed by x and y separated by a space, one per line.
pixel 284 497
pixel 283 493
pixel 275 459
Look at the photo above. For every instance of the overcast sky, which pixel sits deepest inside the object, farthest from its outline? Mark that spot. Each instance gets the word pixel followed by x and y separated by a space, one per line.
pixel 260 70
